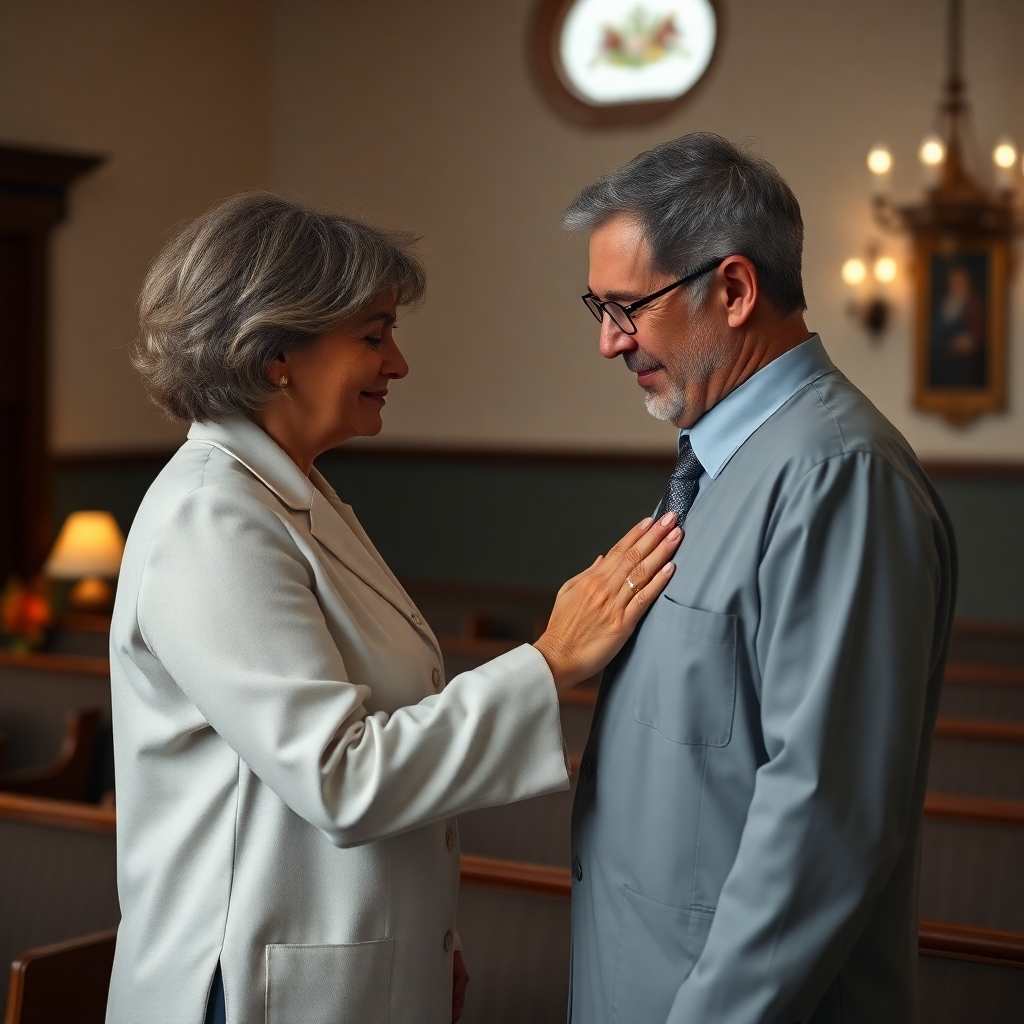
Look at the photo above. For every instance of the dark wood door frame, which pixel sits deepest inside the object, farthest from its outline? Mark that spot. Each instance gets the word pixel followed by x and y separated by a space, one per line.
pixel 33 198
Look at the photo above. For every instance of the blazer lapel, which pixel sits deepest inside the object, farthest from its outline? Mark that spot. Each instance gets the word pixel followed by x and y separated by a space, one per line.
pixel 331 522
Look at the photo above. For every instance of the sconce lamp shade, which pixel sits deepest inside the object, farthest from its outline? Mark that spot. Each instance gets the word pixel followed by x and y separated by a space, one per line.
pixel 89 544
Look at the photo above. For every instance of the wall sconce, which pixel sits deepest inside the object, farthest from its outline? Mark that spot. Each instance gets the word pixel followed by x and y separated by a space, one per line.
pixel 961 234
pixel 872 310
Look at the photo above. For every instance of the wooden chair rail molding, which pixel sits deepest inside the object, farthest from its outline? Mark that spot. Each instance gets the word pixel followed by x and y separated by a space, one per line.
pixel 38 810
pixel 990 729
pixel 68 664
pixel 984 810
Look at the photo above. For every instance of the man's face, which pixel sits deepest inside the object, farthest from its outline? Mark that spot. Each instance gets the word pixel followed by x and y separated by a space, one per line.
pixel 678 344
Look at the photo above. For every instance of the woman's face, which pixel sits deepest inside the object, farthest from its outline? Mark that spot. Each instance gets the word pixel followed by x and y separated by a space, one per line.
pixel 336 385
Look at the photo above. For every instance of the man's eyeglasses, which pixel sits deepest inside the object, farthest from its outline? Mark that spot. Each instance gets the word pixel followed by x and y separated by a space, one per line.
pixel 621 315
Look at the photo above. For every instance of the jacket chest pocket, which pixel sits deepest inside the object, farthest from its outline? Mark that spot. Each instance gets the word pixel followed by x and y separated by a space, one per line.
pixel 314 984
pixel 686 685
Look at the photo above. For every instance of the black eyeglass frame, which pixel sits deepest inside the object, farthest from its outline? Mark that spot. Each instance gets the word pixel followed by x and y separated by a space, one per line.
pixel 598 308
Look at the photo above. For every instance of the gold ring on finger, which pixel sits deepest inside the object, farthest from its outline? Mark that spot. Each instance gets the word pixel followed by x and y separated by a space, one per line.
pixel 631 585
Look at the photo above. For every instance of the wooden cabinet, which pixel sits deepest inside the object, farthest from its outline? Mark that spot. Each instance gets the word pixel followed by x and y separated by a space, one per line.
pixel 33 198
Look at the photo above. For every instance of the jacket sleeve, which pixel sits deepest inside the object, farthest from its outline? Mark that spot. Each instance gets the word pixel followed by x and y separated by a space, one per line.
pixel 228 606
pixel 854 577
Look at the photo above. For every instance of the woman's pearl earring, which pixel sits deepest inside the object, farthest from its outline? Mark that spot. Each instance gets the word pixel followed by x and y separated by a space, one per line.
pixel 283 382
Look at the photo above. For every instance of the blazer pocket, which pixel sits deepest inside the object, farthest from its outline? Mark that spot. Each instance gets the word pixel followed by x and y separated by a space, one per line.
pixel 657 949
pixel 347 984
pixel 686 688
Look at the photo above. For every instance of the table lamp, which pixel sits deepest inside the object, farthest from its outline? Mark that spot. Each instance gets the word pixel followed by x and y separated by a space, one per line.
pixel 88 549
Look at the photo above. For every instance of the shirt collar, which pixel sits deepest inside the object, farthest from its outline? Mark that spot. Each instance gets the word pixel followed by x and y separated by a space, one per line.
pixel 723 429
pixel 259 453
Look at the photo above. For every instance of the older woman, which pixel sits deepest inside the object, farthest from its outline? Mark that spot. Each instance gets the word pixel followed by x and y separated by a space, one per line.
pixel 289 759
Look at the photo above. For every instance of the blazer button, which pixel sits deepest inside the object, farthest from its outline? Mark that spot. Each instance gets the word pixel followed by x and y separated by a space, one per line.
pixel 577 869
pixel 435 678
pixel 449 838
pixel 449 941
pixel 416 619
pixel 587 769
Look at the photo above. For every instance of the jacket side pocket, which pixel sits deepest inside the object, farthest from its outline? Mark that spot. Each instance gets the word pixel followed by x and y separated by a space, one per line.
pixel 314 984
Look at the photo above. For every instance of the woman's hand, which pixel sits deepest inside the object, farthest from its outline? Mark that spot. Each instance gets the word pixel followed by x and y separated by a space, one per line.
pixel 596 611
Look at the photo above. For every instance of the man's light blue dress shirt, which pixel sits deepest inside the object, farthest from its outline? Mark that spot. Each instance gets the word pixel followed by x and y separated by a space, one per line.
pixel 723 429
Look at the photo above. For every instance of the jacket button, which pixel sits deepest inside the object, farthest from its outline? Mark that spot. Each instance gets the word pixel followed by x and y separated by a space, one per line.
pixel 449 941
pixel 577 869
pixel 587 769
pixel 435 678
pixel 416 619
pixel 449 837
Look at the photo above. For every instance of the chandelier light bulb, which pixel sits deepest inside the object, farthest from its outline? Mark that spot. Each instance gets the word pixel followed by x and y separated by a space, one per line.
pixel 1005 154
pixel 885 269
pixel 880 160
pixel 854 272
pixel 932 151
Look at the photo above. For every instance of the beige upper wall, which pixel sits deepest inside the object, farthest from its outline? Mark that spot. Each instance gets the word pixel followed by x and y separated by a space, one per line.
pixel 176 96
pixel 425 116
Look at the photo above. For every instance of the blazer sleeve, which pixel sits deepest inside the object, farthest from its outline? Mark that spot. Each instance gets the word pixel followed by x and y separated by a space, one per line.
pixel 854 578
pixel 227 605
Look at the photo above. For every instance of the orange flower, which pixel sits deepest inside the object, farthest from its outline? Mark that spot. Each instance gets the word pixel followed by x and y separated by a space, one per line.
pixel 24 613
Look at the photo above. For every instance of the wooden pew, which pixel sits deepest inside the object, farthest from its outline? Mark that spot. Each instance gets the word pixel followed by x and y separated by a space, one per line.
pixel 66 981
pixel 58 874
pixel 977 690
pixel 37 692
pixel 973 975
pixel 993 643
pixel 977 756
pixel 514 921
pixel 515 924
pixel 518 614
pixel 67 775
pixel 57 879
pixel 971 861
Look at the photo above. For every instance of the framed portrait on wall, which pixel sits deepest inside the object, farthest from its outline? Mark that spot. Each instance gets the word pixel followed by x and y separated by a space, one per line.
pixel 961 326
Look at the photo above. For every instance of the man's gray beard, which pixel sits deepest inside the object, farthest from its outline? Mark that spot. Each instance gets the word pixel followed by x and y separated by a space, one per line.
pixel 702 361
pixel 669 405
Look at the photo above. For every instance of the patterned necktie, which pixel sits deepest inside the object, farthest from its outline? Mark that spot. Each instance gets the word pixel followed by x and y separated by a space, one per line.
pixel 683 483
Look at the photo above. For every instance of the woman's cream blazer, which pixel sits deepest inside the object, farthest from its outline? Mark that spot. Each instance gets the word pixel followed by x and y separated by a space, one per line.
pixel 289 761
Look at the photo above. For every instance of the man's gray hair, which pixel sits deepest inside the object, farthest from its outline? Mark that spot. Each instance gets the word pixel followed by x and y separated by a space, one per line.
pixel 253 277
pixel 701 198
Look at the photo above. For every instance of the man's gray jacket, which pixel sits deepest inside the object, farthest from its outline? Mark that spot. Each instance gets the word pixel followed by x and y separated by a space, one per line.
pixel 748 818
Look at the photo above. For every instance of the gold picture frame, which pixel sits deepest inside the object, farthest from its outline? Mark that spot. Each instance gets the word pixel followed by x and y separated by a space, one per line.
pixel 961 331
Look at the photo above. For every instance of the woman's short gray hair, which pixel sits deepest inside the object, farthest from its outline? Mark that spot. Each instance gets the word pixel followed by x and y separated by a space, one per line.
pixel 700 198
pixel 253 277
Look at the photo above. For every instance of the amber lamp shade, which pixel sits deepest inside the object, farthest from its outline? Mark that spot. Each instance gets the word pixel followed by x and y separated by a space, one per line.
pixel 88 549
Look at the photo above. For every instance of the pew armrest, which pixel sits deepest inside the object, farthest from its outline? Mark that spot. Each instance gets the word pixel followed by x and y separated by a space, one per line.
pixel 66 777
pixel 66 981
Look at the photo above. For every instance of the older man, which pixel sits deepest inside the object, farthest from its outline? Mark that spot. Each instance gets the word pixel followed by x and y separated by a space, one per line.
pixel 746 827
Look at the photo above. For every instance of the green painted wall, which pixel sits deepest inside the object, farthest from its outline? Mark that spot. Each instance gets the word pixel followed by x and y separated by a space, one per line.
pixel 535 523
